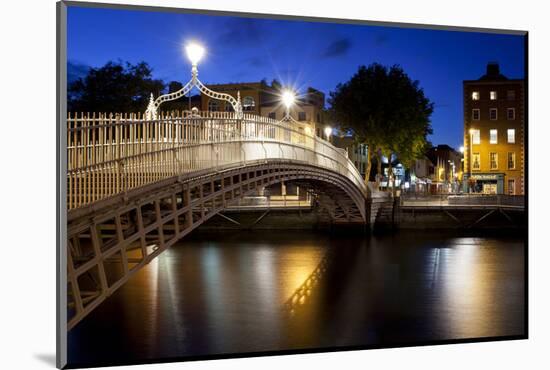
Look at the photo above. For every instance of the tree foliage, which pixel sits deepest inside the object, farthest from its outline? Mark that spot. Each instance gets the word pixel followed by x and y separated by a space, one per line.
pixel 115 87
pixel 384 109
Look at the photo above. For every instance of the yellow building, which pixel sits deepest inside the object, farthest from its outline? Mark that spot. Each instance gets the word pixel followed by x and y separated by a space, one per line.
pixel 252 97
pixel 494 143
pixel 264 100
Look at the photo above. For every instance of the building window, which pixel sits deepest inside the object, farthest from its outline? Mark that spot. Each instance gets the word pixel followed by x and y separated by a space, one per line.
pixel 511 94
pixel 493 114
pixel 475 137
pixel 249 104
pixel 511 136
pixel 228 107
pixel 511 160
pixel 213 105
pixel 475 114
pixel 493 161
pixel 475 95
pixel 272 115
pixel 493 95
pixel 301 116
pixel 511 187
pixel 493 136
pixel 476 165
pixel 511 114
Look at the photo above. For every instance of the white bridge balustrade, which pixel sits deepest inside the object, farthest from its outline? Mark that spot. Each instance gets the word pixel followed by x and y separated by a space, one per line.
pixel 112 154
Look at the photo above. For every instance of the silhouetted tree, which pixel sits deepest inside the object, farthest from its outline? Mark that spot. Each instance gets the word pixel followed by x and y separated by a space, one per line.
pixel 178 104
pixel 386 110
pixel 115 87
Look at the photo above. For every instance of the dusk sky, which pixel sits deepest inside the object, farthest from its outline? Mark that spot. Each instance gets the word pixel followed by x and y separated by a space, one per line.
pixel 297 53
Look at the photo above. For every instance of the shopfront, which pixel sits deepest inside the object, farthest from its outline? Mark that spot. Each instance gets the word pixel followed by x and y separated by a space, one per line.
pixel 484 183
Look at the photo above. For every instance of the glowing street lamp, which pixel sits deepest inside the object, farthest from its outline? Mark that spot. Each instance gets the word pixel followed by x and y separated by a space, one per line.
pixel 194 52
pixel 328 132
pixel 288 98
pixel 461 149
pixel 471 132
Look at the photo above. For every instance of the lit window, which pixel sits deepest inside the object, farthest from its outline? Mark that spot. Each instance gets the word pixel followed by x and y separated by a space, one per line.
pixel 512 187
pixel 475 95
pixel 213 105
pixel 511 160
pixel 493 114
pixel 493 157
pixel 493 136
pixel 511 136
pixel 511 94
pixel 475 114
pixel 511 114
pixel 475 137
pixel 475 161
pixel 493 95
pixel 248 103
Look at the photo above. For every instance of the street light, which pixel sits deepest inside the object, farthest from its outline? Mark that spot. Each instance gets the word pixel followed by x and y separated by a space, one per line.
pixel 288 97
pixel 461 149
pixel 471 132
pixel 194 52
pixel 328 132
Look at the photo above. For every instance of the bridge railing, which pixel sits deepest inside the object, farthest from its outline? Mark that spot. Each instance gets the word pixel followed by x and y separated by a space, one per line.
pixel 466 199
pixel 108 154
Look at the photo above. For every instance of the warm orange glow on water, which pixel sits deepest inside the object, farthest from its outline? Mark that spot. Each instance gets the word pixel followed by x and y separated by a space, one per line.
pixel 296 268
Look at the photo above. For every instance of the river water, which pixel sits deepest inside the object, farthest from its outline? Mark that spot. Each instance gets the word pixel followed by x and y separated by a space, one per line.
pixel 242 292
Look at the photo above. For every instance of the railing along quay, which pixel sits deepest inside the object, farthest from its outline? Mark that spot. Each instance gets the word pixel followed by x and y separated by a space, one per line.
pixel 109 154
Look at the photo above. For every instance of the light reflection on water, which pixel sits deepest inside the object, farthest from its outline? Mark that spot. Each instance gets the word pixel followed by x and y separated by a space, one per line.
pixel 273 291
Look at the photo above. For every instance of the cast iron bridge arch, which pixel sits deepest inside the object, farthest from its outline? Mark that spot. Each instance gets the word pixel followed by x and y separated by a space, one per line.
pixel 135 186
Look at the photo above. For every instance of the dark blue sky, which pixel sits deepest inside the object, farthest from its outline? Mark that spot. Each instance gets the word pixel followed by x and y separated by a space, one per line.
pixel 297 53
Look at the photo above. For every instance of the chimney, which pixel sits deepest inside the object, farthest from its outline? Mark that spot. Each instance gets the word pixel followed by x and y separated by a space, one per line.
pixel 493 69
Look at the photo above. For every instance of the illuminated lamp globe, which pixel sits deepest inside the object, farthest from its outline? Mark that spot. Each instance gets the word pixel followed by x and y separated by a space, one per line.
pixel 194 52
pixel 328 131
pixel 288 98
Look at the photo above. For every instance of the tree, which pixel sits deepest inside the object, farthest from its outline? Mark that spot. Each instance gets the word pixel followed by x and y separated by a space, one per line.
pixel 178 104
pixel 386 110
pixel 114 88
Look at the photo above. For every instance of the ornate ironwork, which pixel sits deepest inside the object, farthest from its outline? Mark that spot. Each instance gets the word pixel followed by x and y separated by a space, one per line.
pixel 153 107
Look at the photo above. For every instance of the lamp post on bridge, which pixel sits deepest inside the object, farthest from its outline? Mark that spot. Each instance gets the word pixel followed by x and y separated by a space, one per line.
pixel 195 52
pixel 328 132
pixel 289 98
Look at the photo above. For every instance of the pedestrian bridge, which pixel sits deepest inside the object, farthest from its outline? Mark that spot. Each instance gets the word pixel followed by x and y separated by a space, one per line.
pixel 137 185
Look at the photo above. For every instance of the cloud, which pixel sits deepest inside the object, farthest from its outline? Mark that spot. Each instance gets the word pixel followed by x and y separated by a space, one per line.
pixel 337 48
pixel 242 32
pixel 381 39
pixel 256 61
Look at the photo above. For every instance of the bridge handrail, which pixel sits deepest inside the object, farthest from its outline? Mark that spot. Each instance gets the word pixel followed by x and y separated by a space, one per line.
pixel 110 154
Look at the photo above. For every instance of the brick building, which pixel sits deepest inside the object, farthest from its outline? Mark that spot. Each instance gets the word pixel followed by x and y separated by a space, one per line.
pixel 494 143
